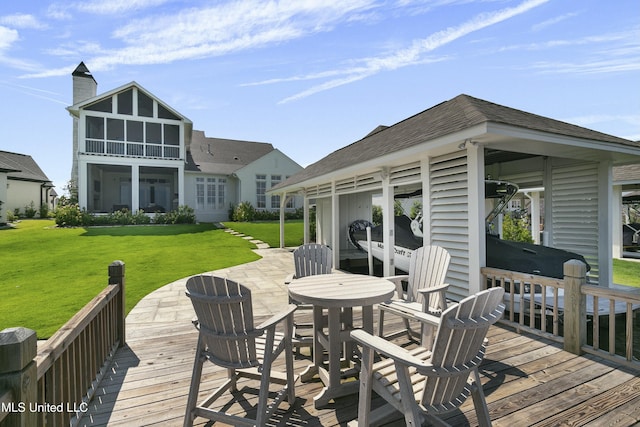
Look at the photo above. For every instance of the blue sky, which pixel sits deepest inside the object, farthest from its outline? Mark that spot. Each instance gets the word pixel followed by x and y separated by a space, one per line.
pixel 312 76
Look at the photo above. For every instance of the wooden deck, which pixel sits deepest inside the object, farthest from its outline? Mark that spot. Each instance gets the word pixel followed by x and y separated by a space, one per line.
pixel 528 381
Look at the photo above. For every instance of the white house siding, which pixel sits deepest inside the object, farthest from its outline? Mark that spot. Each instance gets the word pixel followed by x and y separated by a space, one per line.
pixel 273 164
pixel 21 194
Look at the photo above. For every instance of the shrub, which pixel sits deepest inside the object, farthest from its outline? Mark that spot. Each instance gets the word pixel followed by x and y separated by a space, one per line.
pixel 515 229
pixel 70 215
pixel 44 211
pixel 244 212
pixel 183 215
pixel 30 210
pixel 11 216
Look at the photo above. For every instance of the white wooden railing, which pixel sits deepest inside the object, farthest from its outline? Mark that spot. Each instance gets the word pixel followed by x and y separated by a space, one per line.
pixel 133 149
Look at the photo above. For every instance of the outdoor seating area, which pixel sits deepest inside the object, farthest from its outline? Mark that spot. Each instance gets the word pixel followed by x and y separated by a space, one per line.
pixel 523 377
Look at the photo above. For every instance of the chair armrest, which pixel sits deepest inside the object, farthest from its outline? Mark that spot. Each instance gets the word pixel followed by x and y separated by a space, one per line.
pixel 429 319
pixel 276 318
pixel 425 292
pixel 289 278
pixel 430 290
pixel 386 348
pixel 397 280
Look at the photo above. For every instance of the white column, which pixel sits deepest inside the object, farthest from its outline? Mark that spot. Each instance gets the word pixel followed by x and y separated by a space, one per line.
pixel 82 185
pixel 335 226
pixel 534 197
pixel 181 184
pixel 616 222
pixel 388 225
pixel 477 238
pixel 425 168
pixel 135 188
pixel 305 214
pixel 605 213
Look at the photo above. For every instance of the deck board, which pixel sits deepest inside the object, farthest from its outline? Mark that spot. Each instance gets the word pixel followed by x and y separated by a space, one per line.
pixel 527 380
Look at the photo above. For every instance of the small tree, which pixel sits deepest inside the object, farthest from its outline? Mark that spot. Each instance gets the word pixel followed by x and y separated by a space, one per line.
pixel 376 215
pixel 515 229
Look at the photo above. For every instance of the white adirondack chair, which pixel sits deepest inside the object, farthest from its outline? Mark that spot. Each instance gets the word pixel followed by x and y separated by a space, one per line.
pixel 425 293
pixel 309 259
pixel 423 384
pixel 228 338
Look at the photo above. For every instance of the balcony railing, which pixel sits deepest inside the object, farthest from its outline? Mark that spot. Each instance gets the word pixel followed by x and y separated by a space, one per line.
pixel 131 149
pixel 586 318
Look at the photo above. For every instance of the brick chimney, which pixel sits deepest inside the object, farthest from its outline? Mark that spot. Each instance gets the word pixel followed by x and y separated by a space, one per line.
pixel 84 85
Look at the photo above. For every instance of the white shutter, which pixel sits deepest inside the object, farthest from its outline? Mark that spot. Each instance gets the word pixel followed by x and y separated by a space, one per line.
pixel 449 213
pixel 575 211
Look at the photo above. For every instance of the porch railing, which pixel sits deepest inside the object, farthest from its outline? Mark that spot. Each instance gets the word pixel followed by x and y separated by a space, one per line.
pixel 585 318
pixel 53 384
pixel 133 149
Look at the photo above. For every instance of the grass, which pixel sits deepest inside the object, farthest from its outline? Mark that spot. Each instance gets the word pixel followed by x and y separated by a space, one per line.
pixel 50 273
pixel 269 231
pixel 626 272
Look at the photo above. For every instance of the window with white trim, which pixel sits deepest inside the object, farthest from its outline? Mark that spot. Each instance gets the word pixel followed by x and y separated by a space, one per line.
pixel 261 189
pixel 211 193
pixel 275 199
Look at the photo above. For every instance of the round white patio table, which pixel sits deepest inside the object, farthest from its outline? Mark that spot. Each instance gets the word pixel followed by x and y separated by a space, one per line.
pixel 338 293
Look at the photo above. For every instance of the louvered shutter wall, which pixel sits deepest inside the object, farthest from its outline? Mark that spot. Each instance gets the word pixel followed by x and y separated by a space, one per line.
pixel 450 216
pixel 575 211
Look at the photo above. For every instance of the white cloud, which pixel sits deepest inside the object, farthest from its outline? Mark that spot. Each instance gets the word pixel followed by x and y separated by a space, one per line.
pixel 22 20
pixel 65 11
pixel 414 54
pixel 111 7
pixel 8 36
pixel 219 30
pixel 549 22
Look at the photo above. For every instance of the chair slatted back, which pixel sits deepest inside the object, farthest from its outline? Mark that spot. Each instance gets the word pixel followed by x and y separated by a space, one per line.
pixel 459 345
pixel 312 259
pixel 428 267
pixel 225 320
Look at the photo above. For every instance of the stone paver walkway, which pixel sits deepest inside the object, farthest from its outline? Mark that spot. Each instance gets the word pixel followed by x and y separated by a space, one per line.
pixel 265 277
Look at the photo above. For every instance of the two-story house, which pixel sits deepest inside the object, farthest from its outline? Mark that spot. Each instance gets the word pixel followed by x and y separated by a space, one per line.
pixel 132 150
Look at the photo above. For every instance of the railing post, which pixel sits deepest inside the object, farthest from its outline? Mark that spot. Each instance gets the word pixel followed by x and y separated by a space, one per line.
pixel 575 306
pixel 116 278
pixel 19 374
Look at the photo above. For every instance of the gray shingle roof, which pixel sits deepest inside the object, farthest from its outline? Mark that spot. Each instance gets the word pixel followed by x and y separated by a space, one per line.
pixel 630 173
pixel 457 114
pixel 222 156
pixel 21 166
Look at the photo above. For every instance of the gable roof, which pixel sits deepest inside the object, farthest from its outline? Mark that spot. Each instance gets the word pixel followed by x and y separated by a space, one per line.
pixel 222 156
pixel 21 167
pixel 457 114
pixel 73 109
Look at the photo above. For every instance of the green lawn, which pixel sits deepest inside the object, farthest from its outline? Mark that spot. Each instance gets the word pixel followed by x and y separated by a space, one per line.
pixel 269 231
pixel 626 272
pixel 50 273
